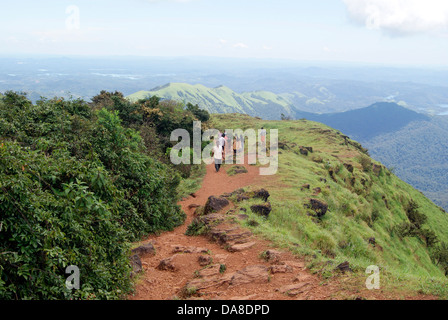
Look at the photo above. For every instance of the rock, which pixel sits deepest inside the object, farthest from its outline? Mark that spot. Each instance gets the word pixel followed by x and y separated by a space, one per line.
pixel 193 206
pixel 309 149
pixel 272 255
pixel 257 194
pixel 237 170
pixel 241 247
pixel 306 186
pixel 262 209
pixel 184 249
pixel 376 169
pixel 293 289
pixel 372 241
pixel 215 204
pixel 319 207
pixel 303 152
pixel 136 264
pixel 205 260
pixel 252 274
pixel 302 278
pixel 349 167
pixel 344 267
pixel 230 236
pixel 323 180
pixel 262 194
pixel 167 265
pixel 317 191
pixel 282 268
pixel 144 250
pixel 242 216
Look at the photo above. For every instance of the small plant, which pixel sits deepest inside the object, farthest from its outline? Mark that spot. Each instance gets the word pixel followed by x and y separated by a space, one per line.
pixel 196 228
pixel 222 268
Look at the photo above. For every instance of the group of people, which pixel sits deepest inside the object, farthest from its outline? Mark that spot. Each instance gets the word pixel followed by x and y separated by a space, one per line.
pixel 223 143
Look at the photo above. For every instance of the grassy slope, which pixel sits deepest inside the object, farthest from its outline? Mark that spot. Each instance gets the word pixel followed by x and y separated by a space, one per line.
pixel 222 99
pixel 344 231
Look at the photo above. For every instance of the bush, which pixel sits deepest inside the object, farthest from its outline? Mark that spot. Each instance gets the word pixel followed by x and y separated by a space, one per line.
pixel 75 188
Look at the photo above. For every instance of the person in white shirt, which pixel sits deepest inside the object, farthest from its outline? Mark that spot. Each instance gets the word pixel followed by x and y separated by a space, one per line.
pixel 217 155
pixel 222 142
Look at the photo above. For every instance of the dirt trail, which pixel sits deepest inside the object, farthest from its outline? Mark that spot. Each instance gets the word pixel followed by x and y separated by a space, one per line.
pixel 174 271
pixel 246 276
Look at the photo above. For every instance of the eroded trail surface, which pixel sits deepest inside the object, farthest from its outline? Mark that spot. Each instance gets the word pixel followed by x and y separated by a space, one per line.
pixel 225 264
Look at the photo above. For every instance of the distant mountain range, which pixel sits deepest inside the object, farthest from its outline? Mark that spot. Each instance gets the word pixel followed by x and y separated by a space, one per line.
pixel 414 144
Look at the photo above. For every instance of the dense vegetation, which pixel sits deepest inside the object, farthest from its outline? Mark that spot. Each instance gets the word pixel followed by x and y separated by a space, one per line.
pixel 78 183
pixel 371 218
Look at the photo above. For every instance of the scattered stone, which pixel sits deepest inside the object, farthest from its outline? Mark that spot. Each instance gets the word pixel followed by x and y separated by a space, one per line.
pixel 303 152
pixel 136 264
pixel 293 289
pixel 306 186
pixel 167 265
pixel 344 267
pixel 282 268
pixel 242 217
pixel 272 255
pixel 262 209
pixel 319 207
pixel 317 191
pixel 205 260
pixel 252 274
pixel 257 194
pixel 241 247
pixel 376 169
pixel 144 250
pixel 349 167
pixel 323 180
pixel 302 278
pixel 183 249
pixel 193 206
pixel 215 204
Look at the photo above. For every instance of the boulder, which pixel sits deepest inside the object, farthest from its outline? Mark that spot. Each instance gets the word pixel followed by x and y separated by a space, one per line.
pixel 349 167
pixel 167 265
pixel 262 209
pixel 319 207
pixel 252 274
pixel 205 260
pixel 144 250
pixel 136 264
pixel 344 267
pixel 215 204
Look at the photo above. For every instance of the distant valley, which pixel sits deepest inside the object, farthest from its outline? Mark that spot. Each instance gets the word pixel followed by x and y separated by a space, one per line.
pixel 414 144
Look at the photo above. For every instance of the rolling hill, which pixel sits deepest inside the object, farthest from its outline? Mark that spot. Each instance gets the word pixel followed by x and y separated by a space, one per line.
pixel 222 99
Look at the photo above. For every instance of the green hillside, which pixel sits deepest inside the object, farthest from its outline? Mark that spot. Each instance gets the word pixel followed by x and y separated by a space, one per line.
pixel 222 99
pixel 373 217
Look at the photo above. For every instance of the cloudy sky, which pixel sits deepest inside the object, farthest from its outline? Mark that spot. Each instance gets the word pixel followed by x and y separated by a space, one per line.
pixel 371 31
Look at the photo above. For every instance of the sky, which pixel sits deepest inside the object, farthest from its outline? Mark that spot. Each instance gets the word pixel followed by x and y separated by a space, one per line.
pixel 391 32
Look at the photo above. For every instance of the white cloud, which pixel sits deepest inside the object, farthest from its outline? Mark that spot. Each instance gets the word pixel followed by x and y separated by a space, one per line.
pixel 240 45
pixel 400 17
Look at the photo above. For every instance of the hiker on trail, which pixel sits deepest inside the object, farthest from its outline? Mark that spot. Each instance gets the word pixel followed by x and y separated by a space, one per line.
pixel 263 137
pixel 217 155
pixel 235 145
pixel 222 142
pixel 241 148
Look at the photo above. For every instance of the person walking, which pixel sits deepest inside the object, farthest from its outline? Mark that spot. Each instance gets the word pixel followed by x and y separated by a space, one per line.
pixel 217 155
